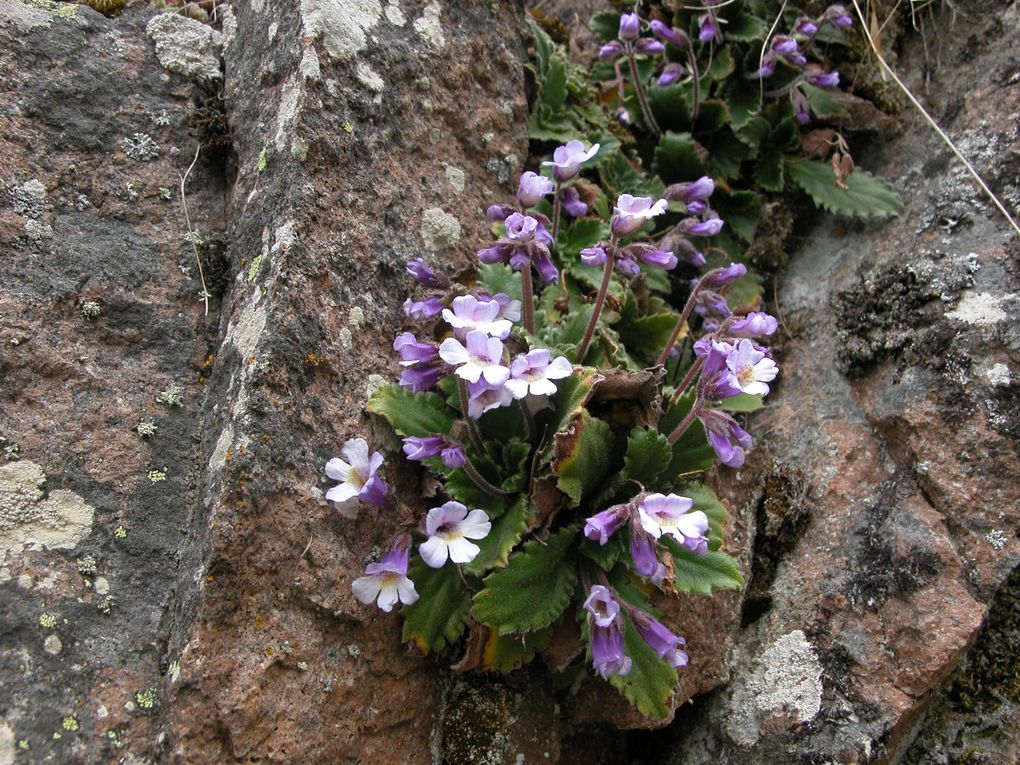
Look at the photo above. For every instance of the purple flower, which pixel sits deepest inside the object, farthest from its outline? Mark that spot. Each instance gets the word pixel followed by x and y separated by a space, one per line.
pixel 767 68
pixel 670 74
pixel 480 357
pixel 387 580
pixel 658 259
pixel 521 228
pixel 534 373
pixel 483 397
pixel 498 212
pixel 631 212
pixel 699 190
pixel 824 79
pixel 419 270
pixel 627 266
pixel 594 256
pixel 755 324
pixel 509 308
pixel 417 448
pixel 660 639
pixel 357 475
pixel 607 651
pixel 449 527
pixel 567 159
pixel 611 50
pixel 707 227
pixel 750 370
pixel 840 16
pixel 600 604
pixel 545 267
pixel 469 314
pixel 421 377
pixel 805 27
pixel 601 526
pixel 532 188
pixel 716 381
pixel 670 35
pixel 453 455
pixel 572 203
pixel 649 47
pixel 520 260
pixel 496 254
pixel 708 29
pixel 783 45
pixel 670 514
pixel 413 352
pixel 642 552
pixel 729 440
pixel 723 276
pixel 630 26
pixel 801 107
pixel 421 310
pixel 711 304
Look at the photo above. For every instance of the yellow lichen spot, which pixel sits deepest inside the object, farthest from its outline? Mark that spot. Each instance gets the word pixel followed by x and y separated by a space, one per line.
pixel 348 127
pixel 48 621
pixel 260 165
pixel 146 699
pixel 260 621
pixel 314 359
pixel 70 723
pixel 120 532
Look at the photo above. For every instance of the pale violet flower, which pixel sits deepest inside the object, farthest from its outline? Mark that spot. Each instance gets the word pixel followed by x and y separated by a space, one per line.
pixel 534 373
pixel 521 228
pixel 567 159
pixel 480 358
pixel 508 307
pixel 387 580
pixel 750 369
pixel 532 187
pixel 357 475
pixel 670 514
pixel 469 313
pixel 483 397
pixel 631 213
pixel 600 604
pixel 449 527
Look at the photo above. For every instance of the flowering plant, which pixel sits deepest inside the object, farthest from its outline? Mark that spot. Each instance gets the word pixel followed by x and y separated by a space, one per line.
pixel 564 411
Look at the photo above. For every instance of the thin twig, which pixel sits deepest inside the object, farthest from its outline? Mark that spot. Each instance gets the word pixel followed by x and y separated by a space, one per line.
pixel 931 121
pixel 191 232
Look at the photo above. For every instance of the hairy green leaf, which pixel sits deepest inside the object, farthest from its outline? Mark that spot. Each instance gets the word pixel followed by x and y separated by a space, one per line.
pixel 651 682
pixel 648 456
pixel 505 533
pixel 691 453
pixel 742 402
pixel 677 159
pixel 505 653
pixel 604 555
pixel 411 414
pixel 583 454
pixel 440 613
pixel 497 277
pixel 701 574
pixel 461 488
pixel 533 589
pixel 865 197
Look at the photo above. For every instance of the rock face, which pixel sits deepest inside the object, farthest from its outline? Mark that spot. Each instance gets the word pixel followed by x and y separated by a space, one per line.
pixel 173 587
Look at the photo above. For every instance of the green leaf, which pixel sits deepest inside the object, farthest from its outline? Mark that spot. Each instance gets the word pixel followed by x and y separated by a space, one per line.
pixel 823 103
pixel 671 106
pixel 605 26
pixel 497 277
pixel 677 158
pixel 865 197
pixel 745 293
pixel 581 234
pixel 533 589
pixel 554 89
pixel 745 99
pixel 692 452
pixel 582 456
pixel 604 555
pixel 712 115
pixel 461 488
pixel 754 132
pixel 649 334
pixel 745 28
pixel 440 613
pixel 506 532
pixel 411 414
pixel 722 65
pixel 651 682
pixel 706 501
pixel 648 456
pixel 571 395
pixel 740 210
pixel 567 335
pixel 726 152
pixel 742 402
pixel 770 171
pixel 700 574
pixel 544 46
pixel 504 653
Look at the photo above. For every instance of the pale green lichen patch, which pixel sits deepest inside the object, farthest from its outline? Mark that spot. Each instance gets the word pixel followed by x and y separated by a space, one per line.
pixel 146 428
pixel 90 309
pixel 29 518
pixel 156 475
pixel 48 621
pixel 439 229
pixel 172 395
pixel 146 699
pixel 61 10
pixel 342 24
pixel 70 723
pixel 430 25
pixel 186 46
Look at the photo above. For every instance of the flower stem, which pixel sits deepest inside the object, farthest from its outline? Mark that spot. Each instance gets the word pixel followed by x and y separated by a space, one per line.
pixel 600 299
pixel 557 204
pixel 695 82
pixel 529 308
pixel 482 483
pixel 642 98
pixel 529 420
pixel 688 379
pixel 683 318
pixel 476 438
pixel 684 424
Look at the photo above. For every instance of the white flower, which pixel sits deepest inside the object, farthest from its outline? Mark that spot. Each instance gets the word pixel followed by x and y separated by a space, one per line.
pixel 356 475
pixel 449 527
pixel 750 369
pixel 534 373
pixel 482 356
pixel 483 397
pixel 567 159
pixel 386 580
pixel 668 514
pixel 469 313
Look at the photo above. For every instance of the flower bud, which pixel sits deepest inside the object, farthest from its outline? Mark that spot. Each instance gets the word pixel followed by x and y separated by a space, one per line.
pixel 630 26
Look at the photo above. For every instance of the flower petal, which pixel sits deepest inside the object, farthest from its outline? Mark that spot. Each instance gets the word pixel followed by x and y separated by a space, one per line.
pixel 463 551
pixel 388 596
pixel 476 525
pixel 337 469
pixel 366 588
pixel 433 552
